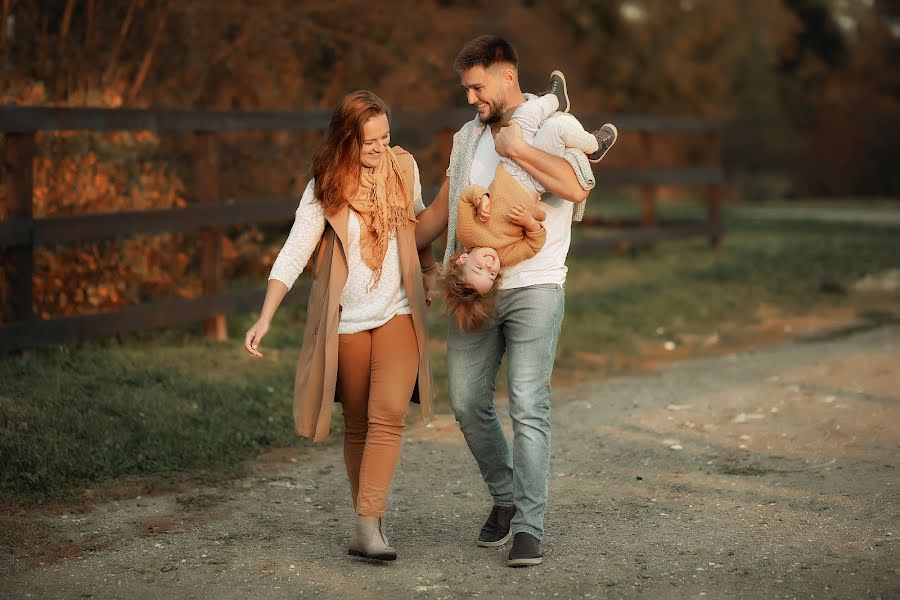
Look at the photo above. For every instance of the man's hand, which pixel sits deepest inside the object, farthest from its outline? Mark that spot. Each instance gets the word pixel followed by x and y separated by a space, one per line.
pixel 509 140
pixel 553 172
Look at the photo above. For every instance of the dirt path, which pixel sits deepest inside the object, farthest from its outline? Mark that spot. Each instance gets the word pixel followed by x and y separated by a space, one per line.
pixel 764 474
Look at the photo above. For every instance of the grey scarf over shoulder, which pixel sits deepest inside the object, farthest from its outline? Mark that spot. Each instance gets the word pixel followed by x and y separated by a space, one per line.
pixel 464 143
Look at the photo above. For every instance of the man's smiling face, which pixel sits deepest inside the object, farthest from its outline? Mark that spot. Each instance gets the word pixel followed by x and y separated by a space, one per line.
pixel 486 91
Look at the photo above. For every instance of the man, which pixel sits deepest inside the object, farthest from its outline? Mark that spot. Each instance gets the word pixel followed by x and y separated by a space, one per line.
pixel 529 309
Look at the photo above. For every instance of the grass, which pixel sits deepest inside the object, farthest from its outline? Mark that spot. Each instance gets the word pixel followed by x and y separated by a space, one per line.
pixel 146 404
pixel 169 404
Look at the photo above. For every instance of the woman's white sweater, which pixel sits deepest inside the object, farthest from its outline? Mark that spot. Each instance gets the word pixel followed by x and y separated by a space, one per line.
pixel 361 310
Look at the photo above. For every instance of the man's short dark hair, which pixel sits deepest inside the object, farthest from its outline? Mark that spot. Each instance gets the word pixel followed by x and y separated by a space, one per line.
pixel 484 51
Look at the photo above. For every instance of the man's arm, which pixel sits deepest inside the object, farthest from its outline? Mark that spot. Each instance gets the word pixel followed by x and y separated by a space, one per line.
pixel 553 172
pixel 433 220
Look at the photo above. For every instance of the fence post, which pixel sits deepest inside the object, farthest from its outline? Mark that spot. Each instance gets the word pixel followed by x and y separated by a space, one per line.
pixel 206 168
pixel 648 192
pixel 713 195
pixel 18 162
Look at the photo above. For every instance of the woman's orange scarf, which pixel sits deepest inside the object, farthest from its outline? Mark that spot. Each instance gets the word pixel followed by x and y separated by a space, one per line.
pixel 382 202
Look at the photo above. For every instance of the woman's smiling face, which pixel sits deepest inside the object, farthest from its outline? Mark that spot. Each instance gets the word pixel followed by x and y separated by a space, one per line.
pixel 376 136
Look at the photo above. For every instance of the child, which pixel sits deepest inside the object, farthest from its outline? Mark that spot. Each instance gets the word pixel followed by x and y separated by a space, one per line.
pixel 554 135
pixel 501 225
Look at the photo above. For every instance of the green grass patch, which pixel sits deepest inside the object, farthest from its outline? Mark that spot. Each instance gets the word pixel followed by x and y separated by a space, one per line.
pixel 614 302
pixel 170 403
pixel 152 403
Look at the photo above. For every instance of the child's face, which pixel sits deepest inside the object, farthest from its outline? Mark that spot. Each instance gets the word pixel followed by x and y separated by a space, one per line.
pixel 480 267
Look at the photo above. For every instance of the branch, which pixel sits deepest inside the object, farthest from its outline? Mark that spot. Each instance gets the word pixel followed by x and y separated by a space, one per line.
pixel 238 42
pixel 148 57
pixel 83 61
pixel 123 33
pixel 89 25
pixel 7 7
pixel 67 21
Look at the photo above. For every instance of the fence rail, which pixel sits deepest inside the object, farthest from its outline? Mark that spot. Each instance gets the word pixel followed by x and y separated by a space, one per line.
pixel 20 232
pixel 28 119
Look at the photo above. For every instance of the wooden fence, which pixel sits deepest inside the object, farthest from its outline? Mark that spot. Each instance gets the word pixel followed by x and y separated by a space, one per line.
pixel 20 232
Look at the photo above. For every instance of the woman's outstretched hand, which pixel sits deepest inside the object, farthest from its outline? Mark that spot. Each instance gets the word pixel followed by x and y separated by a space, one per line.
pixel 254 337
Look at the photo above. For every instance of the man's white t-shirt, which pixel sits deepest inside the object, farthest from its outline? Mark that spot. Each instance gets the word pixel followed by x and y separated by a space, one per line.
pixel 548 265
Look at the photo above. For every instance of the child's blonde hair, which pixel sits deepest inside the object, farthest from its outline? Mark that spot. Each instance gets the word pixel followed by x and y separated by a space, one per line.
pixel 470 309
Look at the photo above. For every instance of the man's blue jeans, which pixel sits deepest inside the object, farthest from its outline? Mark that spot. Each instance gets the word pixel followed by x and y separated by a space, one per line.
pixel 526 327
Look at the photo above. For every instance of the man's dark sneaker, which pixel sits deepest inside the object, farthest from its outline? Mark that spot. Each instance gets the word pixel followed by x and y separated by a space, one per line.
pixel 526 551
pixel 558 89
pixel 496 529
pixel 606 137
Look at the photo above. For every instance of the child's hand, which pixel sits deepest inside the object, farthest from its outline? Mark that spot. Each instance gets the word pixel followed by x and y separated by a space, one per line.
pixel 484 208
pixel 521 216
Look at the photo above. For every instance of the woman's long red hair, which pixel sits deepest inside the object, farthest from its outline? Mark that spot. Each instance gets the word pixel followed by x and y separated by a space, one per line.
pixel 336 163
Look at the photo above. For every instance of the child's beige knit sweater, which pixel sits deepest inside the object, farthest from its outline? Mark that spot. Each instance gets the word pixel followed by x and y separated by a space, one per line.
pixel 512 242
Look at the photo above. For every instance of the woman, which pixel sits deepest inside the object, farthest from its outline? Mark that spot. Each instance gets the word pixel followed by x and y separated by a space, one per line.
pixel 365 343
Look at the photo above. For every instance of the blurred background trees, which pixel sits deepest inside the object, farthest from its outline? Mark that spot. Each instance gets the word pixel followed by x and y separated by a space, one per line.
pixel 809 88
pixel 809 91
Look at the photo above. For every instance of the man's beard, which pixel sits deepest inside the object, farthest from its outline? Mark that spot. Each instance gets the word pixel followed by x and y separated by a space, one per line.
pixel 496 114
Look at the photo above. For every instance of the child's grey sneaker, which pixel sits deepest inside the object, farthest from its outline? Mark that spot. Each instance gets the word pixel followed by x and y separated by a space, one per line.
pixel 606 137
pixel 558 89
pixel 526 551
